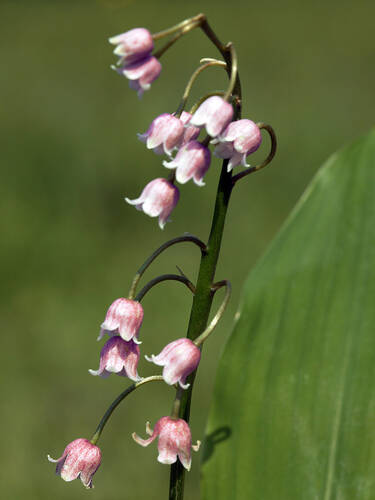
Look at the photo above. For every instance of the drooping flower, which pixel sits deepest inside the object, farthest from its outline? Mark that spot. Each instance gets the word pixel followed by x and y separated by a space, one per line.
pixel 140 73
pixel 237 141
pixel 164 134
pixel 157 199
pixel 79 459
pixel 214 113
pixel 124 317
pixel 174 440
pixel 190 132
pixel 120 357
pixel 191 162
pixel 179 358
pixel 133 45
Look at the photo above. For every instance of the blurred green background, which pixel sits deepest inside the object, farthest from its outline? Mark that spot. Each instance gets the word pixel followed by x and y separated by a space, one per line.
pixel 70 244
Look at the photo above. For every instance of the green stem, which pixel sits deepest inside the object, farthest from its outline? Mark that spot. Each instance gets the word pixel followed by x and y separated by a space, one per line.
pixel 190 83
pixel 117 401
pixel 164 277
pixel 215 320
pixel 180 239
pixel 265 162
pixel 204 294
pixel 201 308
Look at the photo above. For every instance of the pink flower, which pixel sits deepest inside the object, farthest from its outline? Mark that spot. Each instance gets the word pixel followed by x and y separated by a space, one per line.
pixel 141 73
pixel 238 140
pixel 118 356
pixel 157 199
pixel 191 162
pixel 214 113
pixel 190 132
pixel 133 45
pixel 174 440
pixel 124 317
pixel 179 358
pixel 164 134
pixel 80 459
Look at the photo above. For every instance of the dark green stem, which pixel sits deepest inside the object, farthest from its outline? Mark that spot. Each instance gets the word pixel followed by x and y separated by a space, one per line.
pixel 201 307
pixel 204 294
pixel 117 401
pixel 187 237
pixel 160 279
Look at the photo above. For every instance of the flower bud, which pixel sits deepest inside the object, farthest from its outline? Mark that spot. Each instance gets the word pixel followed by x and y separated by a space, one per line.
pixel 191 162
pixel 174 440
pixel 133 45
pixel 237 141
pixel 119 356
pixel 179 358
pixel 141 73
pixel 157 199
pixel 164 134
pixel 124 317
pixel 214 113
pixel 80 459
pixel 190 133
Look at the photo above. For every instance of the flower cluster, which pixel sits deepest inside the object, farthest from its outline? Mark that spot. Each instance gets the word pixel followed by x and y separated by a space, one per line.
pixel 135 60
pixel 120 355
pixel 234 141
pixel 176 136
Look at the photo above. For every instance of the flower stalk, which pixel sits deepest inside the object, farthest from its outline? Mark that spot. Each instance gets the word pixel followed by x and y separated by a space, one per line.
pixel 220 114
pixel 203 297
pixel 117 401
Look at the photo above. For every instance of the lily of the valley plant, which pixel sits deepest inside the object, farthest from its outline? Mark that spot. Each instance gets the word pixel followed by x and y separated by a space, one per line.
pixel 184 138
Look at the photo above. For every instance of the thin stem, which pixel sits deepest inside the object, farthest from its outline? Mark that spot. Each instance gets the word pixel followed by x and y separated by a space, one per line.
pixel 164 277
pixel 117 401
pixel 177 402
pixel 192 79
pixel 164 246
pixel 182 25
pixel 174 39
pixel 203 297
pixel 233 75
pixel 203 336
pixel 264 163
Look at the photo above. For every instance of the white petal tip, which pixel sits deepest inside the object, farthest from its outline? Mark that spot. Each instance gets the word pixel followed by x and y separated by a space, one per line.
pixel 196 447
pixel 169 164
pixel 184 386
pixel 131 202
pixel 199 183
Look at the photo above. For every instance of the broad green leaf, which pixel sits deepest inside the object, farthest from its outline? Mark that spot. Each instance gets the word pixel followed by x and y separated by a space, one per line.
pixel 293 413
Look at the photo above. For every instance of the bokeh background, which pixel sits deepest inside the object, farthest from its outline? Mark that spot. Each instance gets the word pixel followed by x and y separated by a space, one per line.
pixel 70 244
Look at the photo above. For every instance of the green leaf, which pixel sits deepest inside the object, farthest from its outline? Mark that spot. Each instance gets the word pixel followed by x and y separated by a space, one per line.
pixel 293 413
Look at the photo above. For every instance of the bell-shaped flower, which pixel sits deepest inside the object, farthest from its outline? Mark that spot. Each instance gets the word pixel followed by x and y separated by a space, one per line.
pixel 214 113
pixel 190 132
pixel 174 440
pixel 80 459
pixel 133 45
pixel 120 357
pixel 191 162
pixel 157 199
pixel 179 358
pixel 164 134
pixel 140 73
pixel 124 317
pixel 237 141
